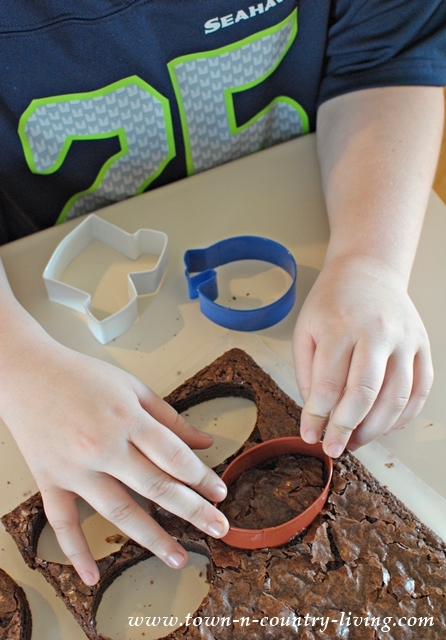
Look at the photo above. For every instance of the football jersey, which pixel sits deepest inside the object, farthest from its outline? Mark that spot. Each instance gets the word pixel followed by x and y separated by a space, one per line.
pixel 100 101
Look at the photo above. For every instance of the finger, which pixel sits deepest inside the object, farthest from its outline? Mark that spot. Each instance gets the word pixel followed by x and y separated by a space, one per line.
pixel 423 378
pixel 168 416
pixel 63 516
pixel 390 403
pixel 168 452
pixel 109 498
pixel 304 348
pixel 148 480
pixel 328 378
pixel 364 382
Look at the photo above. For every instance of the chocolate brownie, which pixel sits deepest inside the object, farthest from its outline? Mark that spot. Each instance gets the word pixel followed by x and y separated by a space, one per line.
pixel 274 492
pixel 15 616
pixel 366 553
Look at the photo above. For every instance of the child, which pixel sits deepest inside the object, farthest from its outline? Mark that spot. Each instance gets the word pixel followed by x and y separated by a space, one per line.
pixel 109 98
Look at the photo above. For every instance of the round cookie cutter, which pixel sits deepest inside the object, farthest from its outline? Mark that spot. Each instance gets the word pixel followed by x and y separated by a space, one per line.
pixel 202 281
pixel 275 536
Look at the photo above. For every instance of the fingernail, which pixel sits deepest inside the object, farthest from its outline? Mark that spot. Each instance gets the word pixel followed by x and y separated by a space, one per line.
pixel 217 529
pixel 311 436
pixel 176 560
pixel 219 492
pixel 88 578
pixel 205 435
pixel 335 450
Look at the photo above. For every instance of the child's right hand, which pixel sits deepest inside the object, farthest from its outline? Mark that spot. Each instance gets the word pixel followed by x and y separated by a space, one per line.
pixel 87 428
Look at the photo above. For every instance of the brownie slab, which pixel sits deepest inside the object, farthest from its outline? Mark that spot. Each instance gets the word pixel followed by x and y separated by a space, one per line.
pixel 15 615
pixel 366 553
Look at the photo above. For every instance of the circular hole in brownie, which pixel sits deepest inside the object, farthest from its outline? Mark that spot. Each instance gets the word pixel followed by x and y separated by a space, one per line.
pixel 274 491
pixel 155 598
pixel 248 284
pixel 229 420
pixel 103 537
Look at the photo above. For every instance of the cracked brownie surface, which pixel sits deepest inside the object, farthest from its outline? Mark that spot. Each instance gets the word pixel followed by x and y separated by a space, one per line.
pixel 15 615
pixel 366 553
pixel 274 492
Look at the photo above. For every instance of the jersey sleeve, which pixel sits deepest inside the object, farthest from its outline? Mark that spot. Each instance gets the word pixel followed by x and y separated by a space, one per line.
pixel 377 43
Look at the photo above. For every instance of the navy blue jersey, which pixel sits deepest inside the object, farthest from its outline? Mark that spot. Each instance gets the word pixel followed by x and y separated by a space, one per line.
pixel 102 100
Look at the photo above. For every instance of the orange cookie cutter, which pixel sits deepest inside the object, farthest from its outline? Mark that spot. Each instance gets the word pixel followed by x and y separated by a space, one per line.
pixel 275 536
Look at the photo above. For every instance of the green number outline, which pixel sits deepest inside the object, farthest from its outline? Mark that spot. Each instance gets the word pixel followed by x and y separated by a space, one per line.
pixel 228 93
pixel 120 133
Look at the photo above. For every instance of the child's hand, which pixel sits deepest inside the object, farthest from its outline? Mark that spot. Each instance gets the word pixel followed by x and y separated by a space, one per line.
pixel 87 428
pixel 362 355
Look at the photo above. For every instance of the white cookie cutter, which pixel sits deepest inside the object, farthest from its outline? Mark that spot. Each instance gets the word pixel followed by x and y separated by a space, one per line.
pixel 139 282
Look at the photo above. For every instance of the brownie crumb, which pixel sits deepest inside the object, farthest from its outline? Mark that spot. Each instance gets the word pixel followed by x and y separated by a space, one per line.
pixel 116 538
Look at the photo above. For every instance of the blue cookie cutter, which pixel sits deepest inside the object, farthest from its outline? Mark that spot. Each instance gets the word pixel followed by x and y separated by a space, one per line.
pixel 203 283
